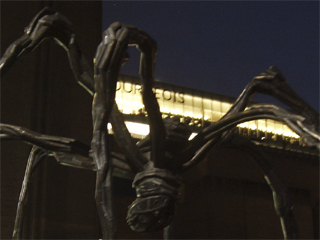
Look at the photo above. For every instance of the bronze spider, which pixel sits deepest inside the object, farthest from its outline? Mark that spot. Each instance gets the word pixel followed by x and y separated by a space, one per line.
pixel 155 163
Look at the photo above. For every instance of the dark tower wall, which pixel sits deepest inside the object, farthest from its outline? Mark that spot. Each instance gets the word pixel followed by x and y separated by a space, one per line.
pixel 40 93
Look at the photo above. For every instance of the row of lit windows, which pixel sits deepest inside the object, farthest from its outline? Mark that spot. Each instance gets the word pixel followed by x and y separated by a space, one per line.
pixel 199 109
pixel 188 105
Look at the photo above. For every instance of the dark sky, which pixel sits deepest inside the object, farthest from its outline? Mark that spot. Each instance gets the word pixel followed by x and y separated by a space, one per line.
pixel 218 46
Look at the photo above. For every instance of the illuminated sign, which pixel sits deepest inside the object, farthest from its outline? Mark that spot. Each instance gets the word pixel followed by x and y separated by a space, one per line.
pixel 199 107
pixel 164 94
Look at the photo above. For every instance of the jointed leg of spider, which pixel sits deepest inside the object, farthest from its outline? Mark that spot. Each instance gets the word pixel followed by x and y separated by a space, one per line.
pixel 281 198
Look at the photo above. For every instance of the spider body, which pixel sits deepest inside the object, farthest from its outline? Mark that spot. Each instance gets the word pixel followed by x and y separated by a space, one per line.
pixel 154 207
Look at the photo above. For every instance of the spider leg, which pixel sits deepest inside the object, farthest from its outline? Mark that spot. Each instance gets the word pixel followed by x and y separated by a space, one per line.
pixel 51 25
pixel 272 82
pixel 129 35
pixel 48 24
pixel 192 155
pixel 104 99
pixel 281 198
pixel 110 56
pixel 46 142
pixel 135 159
pixel 268 111
pixel 35 156
pixel 66 151
pixel 157 128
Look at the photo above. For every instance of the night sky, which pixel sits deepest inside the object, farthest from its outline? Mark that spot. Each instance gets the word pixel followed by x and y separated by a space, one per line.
pixel 218 46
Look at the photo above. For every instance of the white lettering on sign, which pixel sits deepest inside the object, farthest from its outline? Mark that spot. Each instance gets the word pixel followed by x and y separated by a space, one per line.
pixel 162 94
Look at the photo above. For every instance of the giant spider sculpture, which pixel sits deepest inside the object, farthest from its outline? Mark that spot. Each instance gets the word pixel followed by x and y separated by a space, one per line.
pixel 157 161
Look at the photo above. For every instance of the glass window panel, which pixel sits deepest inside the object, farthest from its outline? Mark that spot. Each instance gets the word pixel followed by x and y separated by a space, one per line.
pixel 197 107
pixel 216 106
pixel 178 102
pixel 252 125
pixel 207 108
pixel 262 125
pixel 278 128
pixel 216 110
pixel 288 132
pixel 188 104
pixel 216 116
pixel 270 125
pixel 244 125
pixel 207 104
pixel 225 107
pixel 207 115
pixel 177 109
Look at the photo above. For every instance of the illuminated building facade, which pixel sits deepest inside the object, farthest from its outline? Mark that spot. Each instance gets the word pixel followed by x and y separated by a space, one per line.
pixel 198 109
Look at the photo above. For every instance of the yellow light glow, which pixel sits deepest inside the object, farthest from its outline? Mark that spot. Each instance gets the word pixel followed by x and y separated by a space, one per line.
pixel 137 130
pixel 140 130
pixel 285 132
pixel 129 101
pixel 192 136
